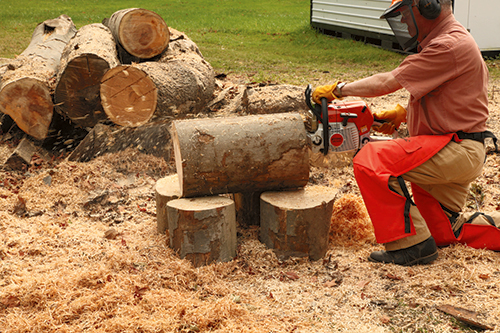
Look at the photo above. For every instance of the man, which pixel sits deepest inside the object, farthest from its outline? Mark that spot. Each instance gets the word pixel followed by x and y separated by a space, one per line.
pixel 446 116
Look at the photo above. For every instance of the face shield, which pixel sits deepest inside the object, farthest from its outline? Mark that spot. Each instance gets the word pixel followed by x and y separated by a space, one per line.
pixel 402 22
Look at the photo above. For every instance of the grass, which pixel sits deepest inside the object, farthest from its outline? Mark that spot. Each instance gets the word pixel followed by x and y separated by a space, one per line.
pixel 263 41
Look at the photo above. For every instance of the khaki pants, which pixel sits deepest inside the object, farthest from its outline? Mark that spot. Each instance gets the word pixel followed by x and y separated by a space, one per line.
pixel 446 176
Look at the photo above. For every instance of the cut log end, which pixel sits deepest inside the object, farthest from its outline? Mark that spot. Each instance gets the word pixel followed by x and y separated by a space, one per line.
pixel 77 94
pixel 143 33
pixel 29 103
pixel 128 96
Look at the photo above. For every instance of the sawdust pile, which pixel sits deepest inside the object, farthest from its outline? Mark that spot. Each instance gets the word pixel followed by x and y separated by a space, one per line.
pixel 350 222
pixel 79 252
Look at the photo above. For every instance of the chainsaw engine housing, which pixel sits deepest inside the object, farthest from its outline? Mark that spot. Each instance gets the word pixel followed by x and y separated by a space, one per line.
pixel 349 126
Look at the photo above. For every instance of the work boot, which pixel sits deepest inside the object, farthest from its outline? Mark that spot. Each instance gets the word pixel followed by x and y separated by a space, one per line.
pixel 421 253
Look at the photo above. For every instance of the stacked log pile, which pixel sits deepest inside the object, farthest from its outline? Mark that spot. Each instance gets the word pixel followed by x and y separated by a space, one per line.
pixel 119 84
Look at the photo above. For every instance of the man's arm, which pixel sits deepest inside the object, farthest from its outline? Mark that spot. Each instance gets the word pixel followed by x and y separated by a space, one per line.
pixel 373 86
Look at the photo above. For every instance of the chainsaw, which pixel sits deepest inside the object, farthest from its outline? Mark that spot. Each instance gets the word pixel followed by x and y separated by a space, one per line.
pixel 339 127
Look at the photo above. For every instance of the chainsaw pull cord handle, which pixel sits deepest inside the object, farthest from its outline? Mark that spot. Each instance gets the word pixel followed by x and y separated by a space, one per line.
pixel 325 123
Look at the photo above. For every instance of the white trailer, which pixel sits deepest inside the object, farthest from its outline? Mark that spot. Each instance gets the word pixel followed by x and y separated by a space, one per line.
pixel 360 20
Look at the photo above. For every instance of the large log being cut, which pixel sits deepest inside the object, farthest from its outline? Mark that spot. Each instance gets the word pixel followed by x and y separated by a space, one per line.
pixel 143 34
pixel 181 82
pixel 240 154
pixel 25 93
pixel 86 58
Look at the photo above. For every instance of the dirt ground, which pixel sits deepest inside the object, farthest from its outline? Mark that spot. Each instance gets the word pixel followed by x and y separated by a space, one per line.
pixel 79 252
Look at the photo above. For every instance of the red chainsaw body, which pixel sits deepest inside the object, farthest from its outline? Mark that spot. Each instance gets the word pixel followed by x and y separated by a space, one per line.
pixel 363 119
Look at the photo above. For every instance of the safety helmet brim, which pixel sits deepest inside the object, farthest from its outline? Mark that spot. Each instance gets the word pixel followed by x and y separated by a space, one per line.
pixel 395 7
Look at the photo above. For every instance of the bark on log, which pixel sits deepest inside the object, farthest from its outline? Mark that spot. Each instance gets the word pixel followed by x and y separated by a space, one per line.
pixel 153 139
pixel 25 90
pixel 139 32
pixel 240 154
pixel 85 59
pixel 166 190
pixel 297 223
pixel 203 230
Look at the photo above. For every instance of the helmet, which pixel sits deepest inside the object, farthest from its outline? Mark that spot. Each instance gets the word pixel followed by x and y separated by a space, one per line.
pixel 402 22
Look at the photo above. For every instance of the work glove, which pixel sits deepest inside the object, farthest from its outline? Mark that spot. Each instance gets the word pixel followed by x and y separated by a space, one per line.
pixel 326 92
pixel 393 117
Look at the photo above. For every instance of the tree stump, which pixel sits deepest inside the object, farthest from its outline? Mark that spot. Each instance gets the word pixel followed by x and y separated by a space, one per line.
pixel 203 230
pixel 240 154
pixel 297 223
pixel 166 190
pixel 85 59
pixel 25 90
pixel 141 33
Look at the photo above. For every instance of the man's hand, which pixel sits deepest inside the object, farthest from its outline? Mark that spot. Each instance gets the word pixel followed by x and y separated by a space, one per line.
pixel 393 117
pixel 326 92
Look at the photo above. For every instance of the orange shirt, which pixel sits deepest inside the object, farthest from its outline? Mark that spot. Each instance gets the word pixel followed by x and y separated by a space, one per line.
pixel 447 81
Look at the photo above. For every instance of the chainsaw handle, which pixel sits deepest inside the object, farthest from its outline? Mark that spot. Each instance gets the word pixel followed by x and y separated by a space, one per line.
pixel 314 110
pixel 326 125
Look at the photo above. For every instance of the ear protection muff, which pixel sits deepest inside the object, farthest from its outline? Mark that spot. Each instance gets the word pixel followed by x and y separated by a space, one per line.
pixel 429 9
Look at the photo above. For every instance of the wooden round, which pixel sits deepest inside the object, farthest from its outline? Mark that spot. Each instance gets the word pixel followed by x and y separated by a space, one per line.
pixel 143 33
pixel 166 190
pixel 29 103
pixel 128 96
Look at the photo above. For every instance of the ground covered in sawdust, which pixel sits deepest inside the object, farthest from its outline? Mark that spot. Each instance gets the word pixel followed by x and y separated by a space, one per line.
pixel 79 252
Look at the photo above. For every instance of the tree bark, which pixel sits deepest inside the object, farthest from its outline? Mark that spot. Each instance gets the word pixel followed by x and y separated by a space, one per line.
pixel 25 90
pixel 274 99
pixel 140 33
pixel 166 190
pixel 85 59
pixel 240 154
pixel 297 223
pixel 203 230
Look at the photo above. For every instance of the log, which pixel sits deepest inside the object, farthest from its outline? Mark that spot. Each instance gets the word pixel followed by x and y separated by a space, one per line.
pixel 297 223
pixel 139 32
pixel 240 154
pixel 166 190
pixel 25 90
pixel 274 99
pixel 153 139
pixel 203 230
pixel 128 96
pixel 85 59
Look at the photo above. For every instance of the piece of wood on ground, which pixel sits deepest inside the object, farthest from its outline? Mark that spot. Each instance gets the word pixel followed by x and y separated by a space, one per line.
pixel 247 208
pixel 166 190
pixel 203 229
pixel 22 156
pixel 240 154
pixel 84 61
pixel 26 87
pixel 153 139
pixel 464 315
pixel 140 33
pixel 297 223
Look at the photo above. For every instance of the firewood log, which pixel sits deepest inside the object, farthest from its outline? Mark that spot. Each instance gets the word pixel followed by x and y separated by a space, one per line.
pixel 140 33
pixel 297 223
pixel 203 230
pixel 166 190
pixel 240 154
pixel 85 59
pixel 25 89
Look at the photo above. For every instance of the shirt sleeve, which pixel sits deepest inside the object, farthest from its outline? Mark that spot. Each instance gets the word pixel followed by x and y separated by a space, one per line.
pixel 423 72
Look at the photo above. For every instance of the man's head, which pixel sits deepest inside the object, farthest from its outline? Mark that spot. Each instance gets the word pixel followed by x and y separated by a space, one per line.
pixel 412 20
